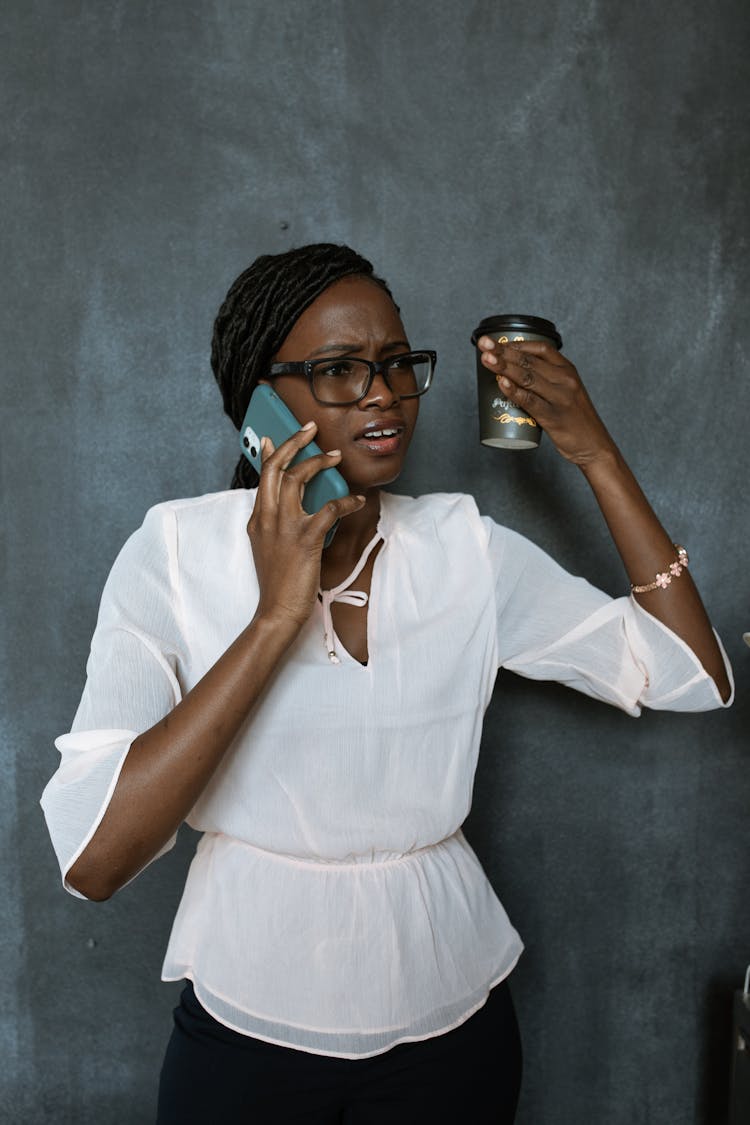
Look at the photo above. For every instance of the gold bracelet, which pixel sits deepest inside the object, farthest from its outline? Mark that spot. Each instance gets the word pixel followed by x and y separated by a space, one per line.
pixel 662 580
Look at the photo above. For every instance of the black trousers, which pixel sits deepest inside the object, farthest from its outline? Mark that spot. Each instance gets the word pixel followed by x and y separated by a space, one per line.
pixel 214 1076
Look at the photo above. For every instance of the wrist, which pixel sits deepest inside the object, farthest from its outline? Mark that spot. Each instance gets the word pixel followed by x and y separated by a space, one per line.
pixel 604 465
pixel 275 627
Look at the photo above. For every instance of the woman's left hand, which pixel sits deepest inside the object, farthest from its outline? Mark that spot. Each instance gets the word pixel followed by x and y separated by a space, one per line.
pixel 537 377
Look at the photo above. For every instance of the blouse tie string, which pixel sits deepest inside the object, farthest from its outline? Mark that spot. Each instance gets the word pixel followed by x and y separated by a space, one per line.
pixel 342 593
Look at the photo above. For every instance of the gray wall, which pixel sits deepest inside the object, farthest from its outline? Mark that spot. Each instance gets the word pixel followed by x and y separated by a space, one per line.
pixel 581 161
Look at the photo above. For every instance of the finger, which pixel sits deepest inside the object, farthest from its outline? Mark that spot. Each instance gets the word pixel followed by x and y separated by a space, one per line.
pixel 271 475
pixel 281 458
pixel 540 348
pixel 537 386
pixel 334 510
pixel 274 462
pixel 527 397
pixel 309 467
pixel 518 376
pixel 537 354
pixel 552 382
pixel 293 480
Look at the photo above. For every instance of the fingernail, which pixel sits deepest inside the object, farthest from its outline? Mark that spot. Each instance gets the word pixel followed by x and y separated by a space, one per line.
pixel 332 452
pixel 308 425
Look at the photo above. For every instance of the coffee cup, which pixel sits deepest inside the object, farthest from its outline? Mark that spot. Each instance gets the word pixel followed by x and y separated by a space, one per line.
pixel 502 424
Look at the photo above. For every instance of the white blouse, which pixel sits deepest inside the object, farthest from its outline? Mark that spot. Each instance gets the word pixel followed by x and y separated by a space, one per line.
pixel 333 904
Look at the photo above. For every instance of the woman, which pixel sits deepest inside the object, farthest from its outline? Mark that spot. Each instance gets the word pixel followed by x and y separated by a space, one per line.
pixel 316 714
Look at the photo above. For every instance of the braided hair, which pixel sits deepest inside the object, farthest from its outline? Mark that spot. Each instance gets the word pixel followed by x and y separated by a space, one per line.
pixel 258 314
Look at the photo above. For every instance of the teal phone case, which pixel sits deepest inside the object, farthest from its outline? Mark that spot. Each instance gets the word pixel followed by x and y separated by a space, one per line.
pixel 268 416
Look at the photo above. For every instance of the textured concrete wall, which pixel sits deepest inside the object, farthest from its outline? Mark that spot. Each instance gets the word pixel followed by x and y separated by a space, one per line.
pixel 586 162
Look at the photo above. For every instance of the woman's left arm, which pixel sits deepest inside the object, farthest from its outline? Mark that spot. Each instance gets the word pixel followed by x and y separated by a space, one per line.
pixel 538 378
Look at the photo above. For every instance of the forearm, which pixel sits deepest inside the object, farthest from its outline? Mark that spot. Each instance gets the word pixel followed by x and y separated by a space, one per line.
pixel 647 550
pixel 168 766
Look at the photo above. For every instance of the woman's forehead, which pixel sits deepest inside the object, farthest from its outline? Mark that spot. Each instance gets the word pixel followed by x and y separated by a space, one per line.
pixel 351 309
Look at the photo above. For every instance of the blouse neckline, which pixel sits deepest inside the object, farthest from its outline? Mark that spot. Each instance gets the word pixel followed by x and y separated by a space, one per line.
pixel 342 593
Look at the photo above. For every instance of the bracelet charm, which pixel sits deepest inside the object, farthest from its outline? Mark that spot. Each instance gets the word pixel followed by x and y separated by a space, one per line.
pixel 663 580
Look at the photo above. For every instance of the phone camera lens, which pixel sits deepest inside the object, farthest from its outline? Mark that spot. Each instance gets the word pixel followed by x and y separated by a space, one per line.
pixel 246 442
pixel 253 451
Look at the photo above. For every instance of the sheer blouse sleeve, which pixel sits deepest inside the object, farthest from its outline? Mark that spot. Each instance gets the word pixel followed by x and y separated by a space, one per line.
pixel 552 625
pixel 132 681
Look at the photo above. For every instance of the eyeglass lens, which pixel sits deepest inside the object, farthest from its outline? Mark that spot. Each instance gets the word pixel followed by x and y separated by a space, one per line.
pixel 345 380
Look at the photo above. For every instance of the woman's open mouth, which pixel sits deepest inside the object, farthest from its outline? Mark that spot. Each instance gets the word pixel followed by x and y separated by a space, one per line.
pixel 382 440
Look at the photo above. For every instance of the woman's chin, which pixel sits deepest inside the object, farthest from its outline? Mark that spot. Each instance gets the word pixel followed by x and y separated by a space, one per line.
pixel 375 472
pixel 360 487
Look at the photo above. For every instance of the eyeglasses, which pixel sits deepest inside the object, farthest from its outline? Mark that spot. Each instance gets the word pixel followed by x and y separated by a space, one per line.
pixel 342 382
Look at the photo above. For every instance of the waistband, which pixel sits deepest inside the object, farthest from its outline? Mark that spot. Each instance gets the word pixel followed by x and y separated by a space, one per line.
pixel 371 859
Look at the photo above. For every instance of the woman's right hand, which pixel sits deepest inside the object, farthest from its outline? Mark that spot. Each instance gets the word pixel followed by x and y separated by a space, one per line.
pixel 288 543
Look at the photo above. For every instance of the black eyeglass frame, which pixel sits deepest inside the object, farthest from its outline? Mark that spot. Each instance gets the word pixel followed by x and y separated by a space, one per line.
pixel 307 367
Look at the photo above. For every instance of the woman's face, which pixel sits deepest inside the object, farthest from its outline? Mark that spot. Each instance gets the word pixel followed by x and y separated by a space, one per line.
pixel 353 317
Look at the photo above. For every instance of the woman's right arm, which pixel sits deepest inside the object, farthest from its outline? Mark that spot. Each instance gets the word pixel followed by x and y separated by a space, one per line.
pixel 169 765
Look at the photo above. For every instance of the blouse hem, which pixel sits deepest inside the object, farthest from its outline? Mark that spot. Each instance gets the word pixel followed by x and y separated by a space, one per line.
pixel 188 975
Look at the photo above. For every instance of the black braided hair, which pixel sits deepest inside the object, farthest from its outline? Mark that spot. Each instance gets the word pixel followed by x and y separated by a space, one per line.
pixel 258 314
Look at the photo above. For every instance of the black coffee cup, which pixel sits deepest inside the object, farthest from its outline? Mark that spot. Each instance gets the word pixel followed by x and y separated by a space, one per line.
pixel 502 424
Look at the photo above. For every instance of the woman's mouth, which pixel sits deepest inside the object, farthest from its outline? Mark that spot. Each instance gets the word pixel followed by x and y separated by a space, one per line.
pixel 382 440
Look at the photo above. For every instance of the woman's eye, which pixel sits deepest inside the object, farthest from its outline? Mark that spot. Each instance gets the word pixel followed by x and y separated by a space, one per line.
pixel 403 363
pixel 338 370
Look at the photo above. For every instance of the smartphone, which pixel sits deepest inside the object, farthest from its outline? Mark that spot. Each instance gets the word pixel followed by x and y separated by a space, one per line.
pixel 268 416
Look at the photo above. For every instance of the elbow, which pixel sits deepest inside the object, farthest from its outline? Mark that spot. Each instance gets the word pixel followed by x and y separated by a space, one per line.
pixel 93 894
pixel 722 683
pixel 90 881
pixel 724 689
pixel 91 891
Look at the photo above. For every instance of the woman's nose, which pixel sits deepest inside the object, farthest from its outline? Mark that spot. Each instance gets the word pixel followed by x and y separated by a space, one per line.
pixel 380 393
